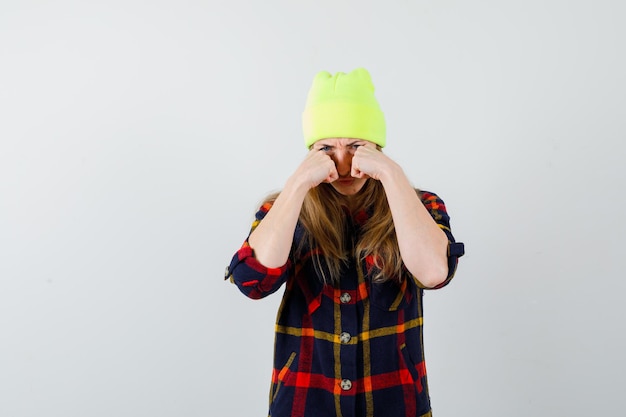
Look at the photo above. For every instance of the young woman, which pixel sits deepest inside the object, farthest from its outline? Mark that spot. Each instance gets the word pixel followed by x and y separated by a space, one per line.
pixel 355 244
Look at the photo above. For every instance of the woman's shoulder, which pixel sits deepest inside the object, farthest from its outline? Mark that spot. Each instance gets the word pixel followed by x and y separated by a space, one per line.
pixel 426 195
pixel 431 200
pixel 266 204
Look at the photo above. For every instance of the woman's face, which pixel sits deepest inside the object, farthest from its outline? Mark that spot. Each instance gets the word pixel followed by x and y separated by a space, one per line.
pixel 341 151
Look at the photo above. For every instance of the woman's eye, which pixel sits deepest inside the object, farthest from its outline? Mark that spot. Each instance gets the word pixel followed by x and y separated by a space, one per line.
pixel 325 148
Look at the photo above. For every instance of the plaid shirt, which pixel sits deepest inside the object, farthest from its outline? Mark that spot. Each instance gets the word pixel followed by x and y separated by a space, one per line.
pixel 351 349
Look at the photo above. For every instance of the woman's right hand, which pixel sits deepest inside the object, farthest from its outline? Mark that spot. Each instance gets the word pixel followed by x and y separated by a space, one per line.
pixel 317 167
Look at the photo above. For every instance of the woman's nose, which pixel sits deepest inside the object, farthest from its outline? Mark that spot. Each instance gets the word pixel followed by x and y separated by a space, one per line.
pixel 343 162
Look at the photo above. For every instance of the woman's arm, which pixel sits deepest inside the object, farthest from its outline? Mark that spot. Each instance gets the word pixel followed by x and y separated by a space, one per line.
pixel 272 238
pixel 423 245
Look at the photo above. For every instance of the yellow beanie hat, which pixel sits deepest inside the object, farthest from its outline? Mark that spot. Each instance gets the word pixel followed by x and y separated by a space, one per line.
pixel 343 106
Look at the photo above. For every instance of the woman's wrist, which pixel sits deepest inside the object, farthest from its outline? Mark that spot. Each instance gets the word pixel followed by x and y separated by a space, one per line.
pixel 296 187
pixel 392 173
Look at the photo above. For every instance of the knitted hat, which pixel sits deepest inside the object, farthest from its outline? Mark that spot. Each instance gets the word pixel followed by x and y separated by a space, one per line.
pixel 343 106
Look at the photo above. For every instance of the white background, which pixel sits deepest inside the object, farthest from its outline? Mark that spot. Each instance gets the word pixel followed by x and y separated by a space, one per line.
pixel 138 137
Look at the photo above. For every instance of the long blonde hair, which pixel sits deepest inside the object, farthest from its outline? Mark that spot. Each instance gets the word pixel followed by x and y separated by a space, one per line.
pixel 326 215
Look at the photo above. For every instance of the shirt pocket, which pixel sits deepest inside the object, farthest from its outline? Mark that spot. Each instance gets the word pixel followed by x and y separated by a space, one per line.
pixel 390 295
pixel 415 373
pixel 282 377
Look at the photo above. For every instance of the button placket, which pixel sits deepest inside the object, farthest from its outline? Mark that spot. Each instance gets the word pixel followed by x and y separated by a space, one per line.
pixel 347 329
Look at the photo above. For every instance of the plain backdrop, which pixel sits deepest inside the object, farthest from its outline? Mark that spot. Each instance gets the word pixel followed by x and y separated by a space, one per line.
pixel 137 139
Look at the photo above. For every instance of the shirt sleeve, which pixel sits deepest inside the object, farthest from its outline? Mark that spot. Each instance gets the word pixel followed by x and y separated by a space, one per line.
pixel 437 209
pixel 251 277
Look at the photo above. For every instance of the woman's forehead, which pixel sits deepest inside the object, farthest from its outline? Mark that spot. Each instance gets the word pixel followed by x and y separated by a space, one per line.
pixel 340 141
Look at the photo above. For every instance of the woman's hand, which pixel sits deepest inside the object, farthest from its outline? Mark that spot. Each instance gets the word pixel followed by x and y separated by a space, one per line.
pixel 371 162
pixel 317 167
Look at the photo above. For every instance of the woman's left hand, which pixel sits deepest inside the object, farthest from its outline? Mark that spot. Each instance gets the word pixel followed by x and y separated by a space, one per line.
pixel 371 162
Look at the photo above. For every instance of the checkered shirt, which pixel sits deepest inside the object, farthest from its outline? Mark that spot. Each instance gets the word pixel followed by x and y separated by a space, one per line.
pixel 350 349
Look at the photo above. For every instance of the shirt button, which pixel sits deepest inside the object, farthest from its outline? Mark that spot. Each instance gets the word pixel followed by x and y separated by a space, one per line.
pixel 345 337
pixel 346 384
pixel 345 298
